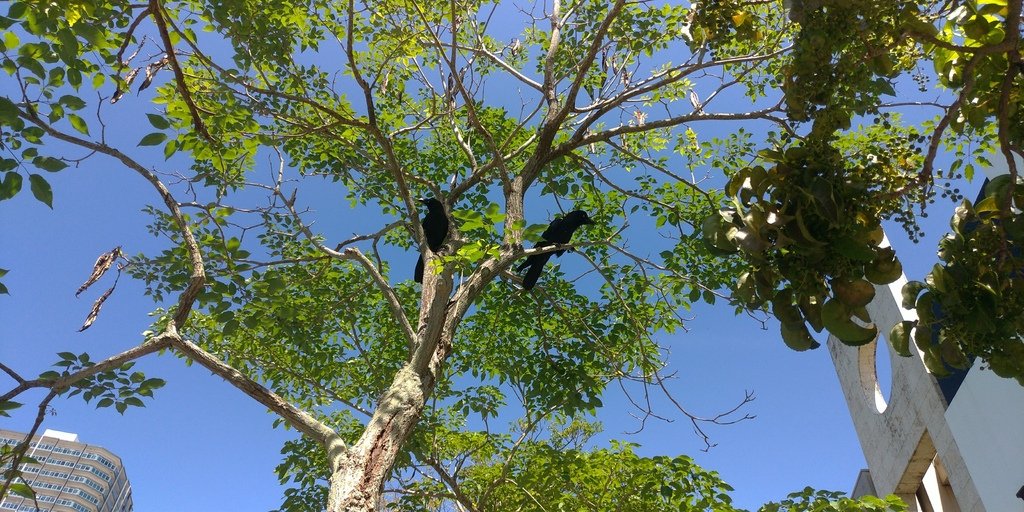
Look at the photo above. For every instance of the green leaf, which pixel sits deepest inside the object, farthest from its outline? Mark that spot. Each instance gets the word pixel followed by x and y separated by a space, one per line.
pixel 10 185
pixel 836 317
pixel 41 189
pixel 933 361
pixel 74 78
pixel 11 41
pixel 797 337
pixel 884 270
pixel 106 402
pixel 939 279
pixel 78 123
pixel 22 489
pixel 158 122
pixel 9 405
pixel 8 111
pixel 951 351
pixel 899 337
pixel 855 293
pixel 276 284
pixel 811 309
pixel 987 205
pixel 48 163
pixel 784 309
pixel 17 10
pixel 923 335
pixel 854 249
pixel 910 292
pixel 153 139
pixel 170 148
pixel 72 102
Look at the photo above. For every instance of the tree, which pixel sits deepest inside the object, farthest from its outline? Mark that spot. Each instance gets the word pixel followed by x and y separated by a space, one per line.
pixel 592 105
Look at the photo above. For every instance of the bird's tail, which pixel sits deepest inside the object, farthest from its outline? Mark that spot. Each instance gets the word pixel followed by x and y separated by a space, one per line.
pixel 418 276
pixel 532 275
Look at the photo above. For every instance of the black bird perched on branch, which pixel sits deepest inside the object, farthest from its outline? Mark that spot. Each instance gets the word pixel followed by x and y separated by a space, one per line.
pixel 560 231
pixel 435 227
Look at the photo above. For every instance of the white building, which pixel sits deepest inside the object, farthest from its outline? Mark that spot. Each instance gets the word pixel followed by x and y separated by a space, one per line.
pixel 951 448
pixel 949 445
pixel 69 476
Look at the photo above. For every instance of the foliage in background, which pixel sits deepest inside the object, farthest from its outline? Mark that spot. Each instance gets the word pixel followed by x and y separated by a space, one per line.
pixel 807 221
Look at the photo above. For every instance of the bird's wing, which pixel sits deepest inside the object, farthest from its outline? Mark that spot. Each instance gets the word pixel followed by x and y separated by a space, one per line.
pixel 555 231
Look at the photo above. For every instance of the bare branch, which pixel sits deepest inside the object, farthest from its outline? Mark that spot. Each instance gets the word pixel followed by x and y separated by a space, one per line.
pixel 298 418
pixel 19 453
pixel 389 293
pixel 581 140
pixel 393 166
pixel 128 35
pixel 14 375
pixel 453 484
pixel 372 236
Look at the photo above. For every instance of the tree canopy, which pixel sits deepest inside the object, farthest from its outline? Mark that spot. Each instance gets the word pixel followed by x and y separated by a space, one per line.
pixel 741 151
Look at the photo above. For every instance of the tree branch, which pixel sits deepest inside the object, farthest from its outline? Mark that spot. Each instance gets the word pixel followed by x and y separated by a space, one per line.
pixel 393 165
pixel 59 385
pixel 299 419
pixel 353 253
pixel 179 78
pixel 198 278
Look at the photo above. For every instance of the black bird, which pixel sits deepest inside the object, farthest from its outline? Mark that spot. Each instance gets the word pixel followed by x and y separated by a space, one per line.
pixel 558 232
pixel 435 227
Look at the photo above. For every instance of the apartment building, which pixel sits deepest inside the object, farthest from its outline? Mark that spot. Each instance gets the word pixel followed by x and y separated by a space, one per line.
pixel 70 476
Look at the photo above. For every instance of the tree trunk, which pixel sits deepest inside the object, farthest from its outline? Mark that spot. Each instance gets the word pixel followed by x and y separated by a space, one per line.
pixel 360 473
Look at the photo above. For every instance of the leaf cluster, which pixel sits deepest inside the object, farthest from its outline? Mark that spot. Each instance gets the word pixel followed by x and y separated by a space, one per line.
pixel 118 387
pixel 53 61
pixel 810 500
pixel 845 56
pixel 13 473
pixel 961 50
pixel 972 303
pixel 809 229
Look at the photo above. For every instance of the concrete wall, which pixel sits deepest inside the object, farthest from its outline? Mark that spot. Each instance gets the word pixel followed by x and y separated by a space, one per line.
pixel 986 418
pixel 901 438
pixel 967 455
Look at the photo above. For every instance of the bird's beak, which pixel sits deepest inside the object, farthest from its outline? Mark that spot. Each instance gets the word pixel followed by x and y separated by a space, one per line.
pixel 422 200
